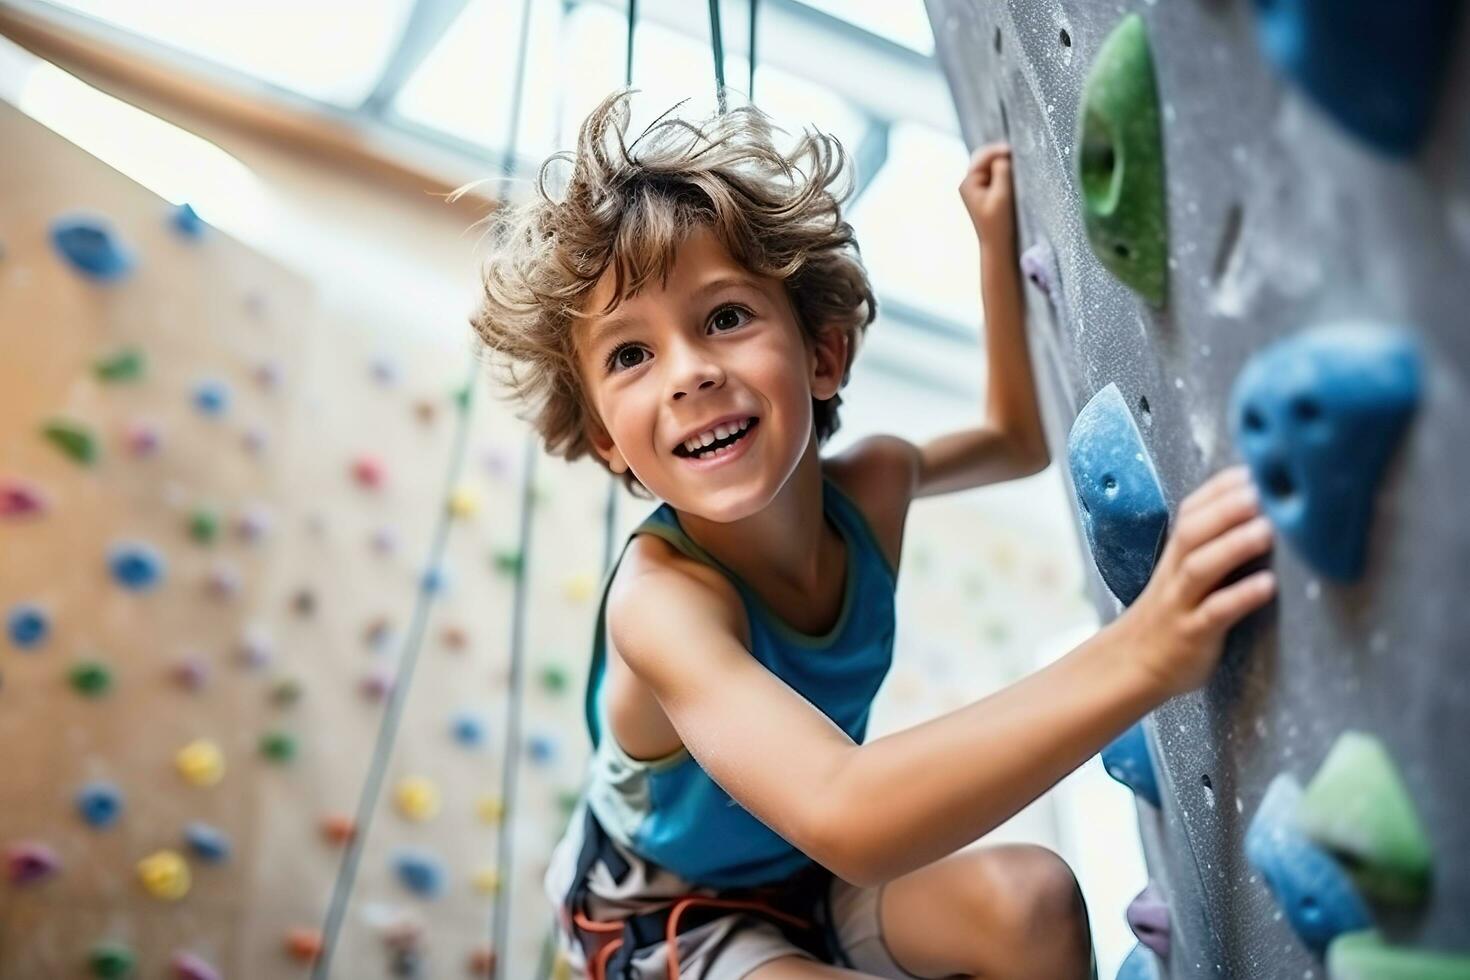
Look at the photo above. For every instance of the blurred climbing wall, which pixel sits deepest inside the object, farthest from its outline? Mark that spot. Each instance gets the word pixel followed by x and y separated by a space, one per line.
pixel 1316 169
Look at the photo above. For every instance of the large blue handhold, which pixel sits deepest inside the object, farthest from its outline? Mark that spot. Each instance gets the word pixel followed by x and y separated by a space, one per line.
pixel 1141 964
pixel 1123 511
pixel 1375 67
pixel 1127 760
pixel 419 871
pixel 100 804
pixel 1317 417
pixel 1313 891
pixel 91 246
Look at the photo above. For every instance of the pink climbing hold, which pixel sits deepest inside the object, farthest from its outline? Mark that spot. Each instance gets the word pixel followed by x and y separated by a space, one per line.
pixel 1148 917
pixel 28 861
pixel 376 685
pixel 20 500
pixel 368 472
pixel 191 673
pixel 187 966
pixel 143 439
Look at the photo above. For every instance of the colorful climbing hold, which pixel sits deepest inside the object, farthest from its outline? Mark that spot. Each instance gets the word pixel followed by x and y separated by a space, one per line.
pixel 417 798
pixel 1039 266
pixel 435 580
pixel 368 472
pixel 90 678
pixel 464 503
pixel 186 221
pixel 1120 160
pixel 468 730
pixel 1139 965
pixel 28 625
pixel 1317 416
pixel 541 748
pixel 27 862
pixel 165 875
pixel 286 691
pixel 211 397
pixel 190 673
pixel 338 828
pixel 1127 760
pixel 1148 917
pixel 92 247
pixel 454 638
pixel 254 649
pixel 425 410
pixel 1359 809
pixel 100 804
pixel 303 602
pixel 72 438
pixel 303 944
pixel 1376 68
pixel 377 684
pixel 208 842
pixel 278 746
pixel 486 881
pixel 384 541
pixel 127 364
pixel 201 762
pixel 419 871
pixel 490 809
pixel 20 500
pixel 111 960
pixel 404 963
pixel 579 588
pixel 508 561
pixel 135 565
pixel 222 581
pixel 143 438
pixel 384 370
pixel 554 679
pixel 1316 895
pixel 204 525
pixel 255 440
pixel 377 633
pixel 254 523
pixel 481 961
pixel 268 374
pixel 187 966
pixel 462 396
pixel 1124 515
pixel 1365 956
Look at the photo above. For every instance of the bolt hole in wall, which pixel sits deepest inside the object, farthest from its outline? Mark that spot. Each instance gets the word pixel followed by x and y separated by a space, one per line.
pixel 997 40
pixel 1146 414
pixel 1065 38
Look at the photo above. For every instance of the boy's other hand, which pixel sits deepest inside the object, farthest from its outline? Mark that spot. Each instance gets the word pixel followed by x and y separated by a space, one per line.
pixel 1178 624
pixel 988 196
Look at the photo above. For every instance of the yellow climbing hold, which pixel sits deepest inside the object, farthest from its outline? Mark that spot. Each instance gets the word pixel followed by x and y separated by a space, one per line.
pixel 486 881
pixel 417 798
pixel 578 588
pixel 490 809
pixel 464 503
pixel 165 874
pixel 201 762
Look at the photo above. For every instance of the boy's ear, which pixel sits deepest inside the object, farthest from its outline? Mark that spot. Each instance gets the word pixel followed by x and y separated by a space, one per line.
pixel 603 444
pixel 828 361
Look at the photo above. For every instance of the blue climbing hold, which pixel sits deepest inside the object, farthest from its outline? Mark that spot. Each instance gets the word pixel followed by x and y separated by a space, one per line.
pixel 1141 964
pixel 434 581
pixel 100 804
pixel 28 626
pixel 1127 760
pixel 1315 893
pixel 1317 417
pixel 187 221
pixel 1123 511
pixel 542 749
pixel 135 566
pixel 468 730
pixel 1375 67
pixel 208 842
pixel 419 871
pixel 212 397
pixel 91 246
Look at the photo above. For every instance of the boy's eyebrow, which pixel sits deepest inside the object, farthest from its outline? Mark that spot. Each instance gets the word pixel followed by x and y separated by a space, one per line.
pixel 615 323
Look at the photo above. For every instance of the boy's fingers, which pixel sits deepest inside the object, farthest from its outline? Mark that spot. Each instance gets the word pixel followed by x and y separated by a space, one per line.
pixel 1234 602
pixel 983 157
pixel 1216 486
pixel 1207 565
pixel 1213 518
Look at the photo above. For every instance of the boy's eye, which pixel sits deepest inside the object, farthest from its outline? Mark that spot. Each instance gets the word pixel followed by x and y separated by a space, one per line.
pixel 622 356
pixel 728 317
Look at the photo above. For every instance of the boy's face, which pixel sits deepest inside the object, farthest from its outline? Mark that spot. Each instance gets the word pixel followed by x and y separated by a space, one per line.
pixel 715 345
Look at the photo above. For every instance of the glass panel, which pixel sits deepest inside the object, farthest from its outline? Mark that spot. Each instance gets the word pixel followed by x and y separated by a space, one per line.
pixel 332 50
pixel 900 21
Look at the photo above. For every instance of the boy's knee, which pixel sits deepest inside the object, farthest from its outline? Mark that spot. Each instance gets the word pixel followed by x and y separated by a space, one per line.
pixel 1041 907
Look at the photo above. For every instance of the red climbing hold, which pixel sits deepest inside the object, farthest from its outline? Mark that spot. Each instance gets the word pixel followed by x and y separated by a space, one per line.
pixel 29 861
pixel 20 500
pixel 368 472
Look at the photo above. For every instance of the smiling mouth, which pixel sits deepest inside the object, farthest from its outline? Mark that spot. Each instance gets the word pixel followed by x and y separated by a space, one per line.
pixel 718 444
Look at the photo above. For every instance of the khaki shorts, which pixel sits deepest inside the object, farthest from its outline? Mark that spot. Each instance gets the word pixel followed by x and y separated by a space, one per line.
pixel 727 948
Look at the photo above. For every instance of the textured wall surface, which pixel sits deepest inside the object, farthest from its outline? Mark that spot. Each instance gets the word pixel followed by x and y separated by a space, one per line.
pixel 1279 219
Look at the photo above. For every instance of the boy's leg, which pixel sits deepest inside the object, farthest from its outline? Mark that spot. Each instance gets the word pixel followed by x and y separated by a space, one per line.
pixel 1006 912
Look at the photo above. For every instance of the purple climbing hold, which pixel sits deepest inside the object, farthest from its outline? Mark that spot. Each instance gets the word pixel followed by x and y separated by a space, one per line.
pixel 30 861
pixel 1148 917
pixel 143 438
pixel 254 650
pixel 187 966
pixel 377 685
pixel 254 524
pixel 20 500
pixel 384 541
pixel 385 372
pixel 1039 266
pixel 191 673
pixel 255 441
pixel 268 374
pixel 222 581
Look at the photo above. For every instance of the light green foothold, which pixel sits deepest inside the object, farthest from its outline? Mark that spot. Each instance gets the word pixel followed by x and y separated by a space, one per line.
pixel 125 365
pixel 111 960
pixel 286 691
pixel 73 439
pixel 91 678
pixel 278 746
pixel 204 526
pixel 553 679
pixel 1365 956
pixel 1358 808
pixel 508 562
pixel 1120 161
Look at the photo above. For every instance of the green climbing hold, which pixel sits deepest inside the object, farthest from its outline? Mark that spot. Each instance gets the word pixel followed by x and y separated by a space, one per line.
pixel 567 800
pixel 286 691
pixel 1120 161
pixel 508 562
pixel 124 365
pixel 72 438
pixel 91 678
pixel 462 396
pixel 1358 808
pixel 111 960
pixel 204 526
pixel 553 679
pixel 278 746
pixel 1365 956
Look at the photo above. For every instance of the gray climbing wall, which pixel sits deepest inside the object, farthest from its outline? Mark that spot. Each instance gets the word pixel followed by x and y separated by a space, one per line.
pixel 1279 219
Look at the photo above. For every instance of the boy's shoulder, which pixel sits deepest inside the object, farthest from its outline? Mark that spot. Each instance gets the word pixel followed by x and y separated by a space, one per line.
pixel 878 473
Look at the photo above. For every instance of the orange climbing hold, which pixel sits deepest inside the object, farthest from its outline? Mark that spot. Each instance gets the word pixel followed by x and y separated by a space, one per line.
pixel 303 944
pixel 338 828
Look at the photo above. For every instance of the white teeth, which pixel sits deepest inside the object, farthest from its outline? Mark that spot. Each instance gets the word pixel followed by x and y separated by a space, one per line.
pixel 705 438
pixel 721 431
pixel 744 424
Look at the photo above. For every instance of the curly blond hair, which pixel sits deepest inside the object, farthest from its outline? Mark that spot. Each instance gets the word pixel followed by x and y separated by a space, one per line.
pixel 627 207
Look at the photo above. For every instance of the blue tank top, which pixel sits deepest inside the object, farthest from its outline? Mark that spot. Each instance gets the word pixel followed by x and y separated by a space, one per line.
pixel 668 810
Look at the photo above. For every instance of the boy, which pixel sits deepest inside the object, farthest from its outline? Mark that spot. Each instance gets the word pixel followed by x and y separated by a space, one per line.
pixel 688 310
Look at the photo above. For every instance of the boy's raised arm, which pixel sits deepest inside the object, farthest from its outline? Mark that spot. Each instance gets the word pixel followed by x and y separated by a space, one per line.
pixel 871 813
